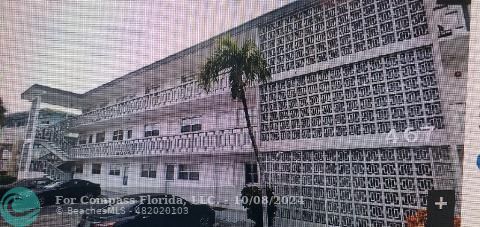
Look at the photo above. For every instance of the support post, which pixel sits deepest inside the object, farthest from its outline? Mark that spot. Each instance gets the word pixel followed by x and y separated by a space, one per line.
pixel 29 139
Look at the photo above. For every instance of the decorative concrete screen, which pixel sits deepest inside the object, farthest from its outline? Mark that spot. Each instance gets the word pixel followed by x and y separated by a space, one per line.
pixel 396 91
pixel 358 187
pixel 339 28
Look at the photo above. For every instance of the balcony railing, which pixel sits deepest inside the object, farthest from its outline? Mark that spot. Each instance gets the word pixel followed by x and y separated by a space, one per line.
pixel 229 140
pixel 187 91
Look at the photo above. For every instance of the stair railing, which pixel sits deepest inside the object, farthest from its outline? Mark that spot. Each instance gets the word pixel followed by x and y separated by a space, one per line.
pixel 56 134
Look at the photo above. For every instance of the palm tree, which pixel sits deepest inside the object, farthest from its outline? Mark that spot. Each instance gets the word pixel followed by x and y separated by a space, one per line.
pixel 2 114
pixel 244 65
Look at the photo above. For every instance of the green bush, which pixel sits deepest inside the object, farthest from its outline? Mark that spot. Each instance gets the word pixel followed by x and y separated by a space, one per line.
pixel 7 179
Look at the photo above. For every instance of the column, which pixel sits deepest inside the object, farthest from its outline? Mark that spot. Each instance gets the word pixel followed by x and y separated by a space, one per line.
pixel 29 139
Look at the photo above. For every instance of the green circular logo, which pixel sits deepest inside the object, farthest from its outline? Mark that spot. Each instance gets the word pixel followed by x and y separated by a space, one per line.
pixel 19 207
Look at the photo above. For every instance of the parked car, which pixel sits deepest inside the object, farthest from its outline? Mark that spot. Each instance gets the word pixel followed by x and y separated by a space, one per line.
pixel 33 183
pixel 138 211
pixel 70 189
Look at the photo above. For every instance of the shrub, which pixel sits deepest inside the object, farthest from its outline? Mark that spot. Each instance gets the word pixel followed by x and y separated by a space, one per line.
pixel 272 206
pixel 254 206
pixel 254 210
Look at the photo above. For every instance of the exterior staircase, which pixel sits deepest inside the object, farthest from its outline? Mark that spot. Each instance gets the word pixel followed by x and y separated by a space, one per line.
pixel 55 173
pixel 45 148
pixel 50 151
pixel 54 149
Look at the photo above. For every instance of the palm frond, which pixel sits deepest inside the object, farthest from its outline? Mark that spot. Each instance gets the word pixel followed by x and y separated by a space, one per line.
pixel 244 65
pixel 219 62
pixel 255 67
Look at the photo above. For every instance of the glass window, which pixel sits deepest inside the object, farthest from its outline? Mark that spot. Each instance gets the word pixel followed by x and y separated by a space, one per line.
pixel 78 168
pixel 251 173
pixel 152 130
pixel 82 140
pixel 188 172
pixel 96 168
pixel 170 173
pixel 114 170
pixel 186 125
pixel 196 125
pixel 148 130
pixel 117 135
pixel 90 139
pixel 149 170
pixel 21 123
pixel 129 134
pixel 191 124
pixel 45 122
pixel 100 137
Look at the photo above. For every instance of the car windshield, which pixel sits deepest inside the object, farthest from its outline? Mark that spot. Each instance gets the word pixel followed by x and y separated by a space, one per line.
pixel 53 185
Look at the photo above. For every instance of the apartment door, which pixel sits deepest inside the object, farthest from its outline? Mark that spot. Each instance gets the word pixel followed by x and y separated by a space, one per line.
pixel 125 174
pixel 169 176
pixel 223 173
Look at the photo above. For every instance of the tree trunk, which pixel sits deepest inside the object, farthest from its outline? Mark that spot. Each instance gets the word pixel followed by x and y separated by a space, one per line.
pixel 255 151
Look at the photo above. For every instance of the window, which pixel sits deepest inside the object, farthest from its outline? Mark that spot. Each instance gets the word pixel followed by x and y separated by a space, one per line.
pixel 96 168
pixel 129 134
pixel 170 172
pixel 82 140
pixel 100 137
pixel 117 135
pixel 188 172
pixel 90 139
pixel 21 123
pixel 251 173
pixel 191 124
pixel 149 170
pixel 152 130
pixel 114 170
pixel 78 168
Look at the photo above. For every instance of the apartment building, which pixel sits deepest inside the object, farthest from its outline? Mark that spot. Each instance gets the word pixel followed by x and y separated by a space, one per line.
pixel 363 115
pixel 13 133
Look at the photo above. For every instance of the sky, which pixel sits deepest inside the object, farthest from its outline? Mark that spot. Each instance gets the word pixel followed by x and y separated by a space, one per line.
pixel 77 46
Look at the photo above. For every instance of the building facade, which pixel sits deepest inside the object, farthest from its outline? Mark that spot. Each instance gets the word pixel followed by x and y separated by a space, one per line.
pixel 13 133
pixel 363 115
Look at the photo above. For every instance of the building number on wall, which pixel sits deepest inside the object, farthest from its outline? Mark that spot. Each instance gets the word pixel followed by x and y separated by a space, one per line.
pixel 410 135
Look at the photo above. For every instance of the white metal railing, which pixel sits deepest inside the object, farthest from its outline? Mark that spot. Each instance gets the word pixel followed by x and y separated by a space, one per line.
pixel 187 91
pixel 56 134
pixel 228 140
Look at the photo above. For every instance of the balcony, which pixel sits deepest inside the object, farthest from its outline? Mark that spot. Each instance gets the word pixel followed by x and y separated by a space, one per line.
pixel 223 141
pixel 153 100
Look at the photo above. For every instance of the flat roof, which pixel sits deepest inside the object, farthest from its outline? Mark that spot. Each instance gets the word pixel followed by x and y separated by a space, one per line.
pixel 54 96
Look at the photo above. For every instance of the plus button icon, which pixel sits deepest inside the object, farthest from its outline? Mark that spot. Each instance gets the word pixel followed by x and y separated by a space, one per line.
pixel 441 203
pixel 440 208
